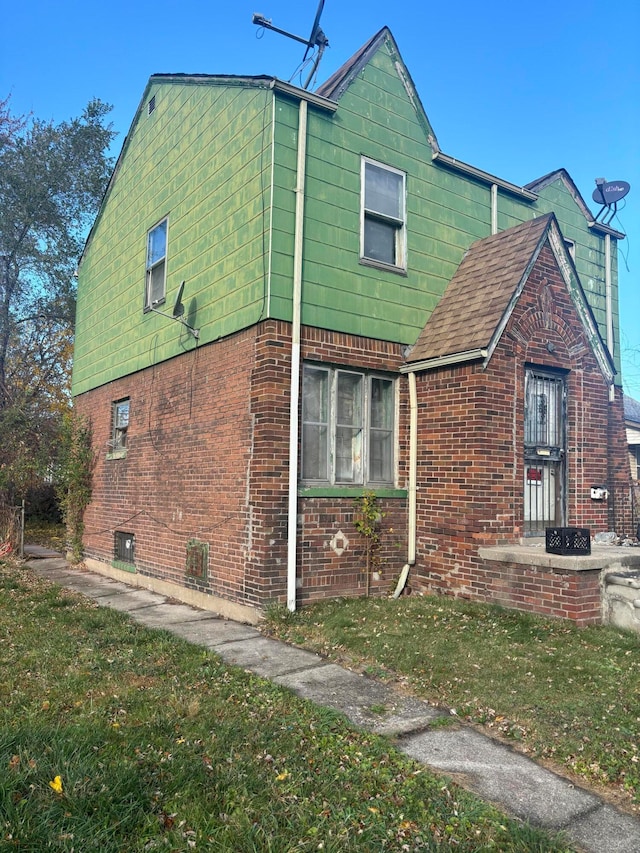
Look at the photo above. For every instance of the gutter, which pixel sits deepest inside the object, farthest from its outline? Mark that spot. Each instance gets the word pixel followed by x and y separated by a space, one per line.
pixel 445 360
pixel 294 423
pixel 303 96
pixel 480 175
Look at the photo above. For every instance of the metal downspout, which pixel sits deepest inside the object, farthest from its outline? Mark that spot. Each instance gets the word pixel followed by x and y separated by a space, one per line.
pixel 294 426
pixel 609 304
pixel 494 208
pixel 413 485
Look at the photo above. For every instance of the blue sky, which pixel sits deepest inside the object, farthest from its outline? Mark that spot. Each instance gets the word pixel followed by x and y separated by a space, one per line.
pixel 518 90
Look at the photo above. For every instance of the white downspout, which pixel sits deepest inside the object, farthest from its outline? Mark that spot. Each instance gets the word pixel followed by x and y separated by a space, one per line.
pixel 413 485
pixel 494 208
pixel 294 426
pixel 608 304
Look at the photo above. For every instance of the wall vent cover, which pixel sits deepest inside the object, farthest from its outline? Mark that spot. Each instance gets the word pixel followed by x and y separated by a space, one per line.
pixel 197 559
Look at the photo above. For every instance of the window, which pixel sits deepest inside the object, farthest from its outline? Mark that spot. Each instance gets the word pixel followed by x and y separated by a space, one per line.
pixel 120 419
pixel 156 265
pixel 383 237
pixel 348 434
pixel 124 547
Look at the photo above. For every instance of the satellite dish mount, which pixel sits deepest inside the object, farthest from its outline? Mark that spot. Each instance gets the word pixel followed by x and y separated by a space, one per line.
pixel 608 194
pixel 316 39
pixel 178 311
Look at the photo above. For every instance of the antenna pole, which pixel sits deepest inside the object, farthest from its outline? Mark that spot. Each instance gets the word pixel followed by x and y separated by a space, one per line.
pixel 261 21
pixel 322 42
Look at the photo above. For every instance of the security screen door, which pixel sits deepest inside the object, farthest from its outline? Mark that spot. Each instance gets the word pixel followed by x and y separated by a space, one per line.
pixel 544 452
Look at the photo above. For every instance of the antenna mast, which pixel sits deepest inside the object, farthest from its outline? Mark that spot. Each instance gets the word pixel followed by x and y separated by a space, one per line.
pixel 316 39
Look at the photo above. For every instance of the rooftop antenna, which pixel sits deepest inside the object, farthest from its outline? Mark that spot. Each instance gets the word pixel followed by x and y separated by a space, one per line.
pixel 316 39
pixel 178 311
pixel 608 194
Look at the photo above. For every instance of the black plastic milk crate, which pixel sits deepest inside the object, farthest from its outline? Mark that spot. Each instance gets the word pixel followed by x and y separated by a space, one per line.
pixel 568 541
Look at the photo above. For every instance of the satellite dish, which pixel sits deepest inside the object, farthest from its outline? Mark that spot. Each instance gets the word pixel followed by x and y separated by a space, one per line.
pixel 608 194
pixel 316 39
pixel 178 307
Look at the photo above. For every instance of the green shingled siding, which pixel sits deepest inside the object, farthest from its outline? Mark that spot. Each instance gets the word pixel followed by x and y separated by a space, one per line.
pixel 444 214
pixel 203 159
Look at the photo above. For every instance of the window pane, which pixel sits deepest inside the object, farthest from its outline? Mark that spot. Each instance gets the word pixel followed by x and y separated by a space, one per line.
pixel 349 428
pixel 314 455
pixel 381 405
pixel 122 414
pixel 379 241
pixel 349 399
pixel 315 431
pixel 156 284
pixel 157 245
pixel 381 456
pixel 383 191
pixel 315 386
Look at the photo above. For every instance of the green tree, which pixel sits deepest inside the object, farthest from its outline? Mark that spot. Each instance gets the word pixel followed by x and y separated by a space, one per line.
pixel 52 179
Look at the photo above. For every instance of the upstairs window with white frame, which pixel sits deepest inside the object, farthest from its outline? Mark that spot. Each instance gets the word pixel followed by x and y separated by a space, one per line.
pixel 156 275
pixel 348 429
pixel 383 218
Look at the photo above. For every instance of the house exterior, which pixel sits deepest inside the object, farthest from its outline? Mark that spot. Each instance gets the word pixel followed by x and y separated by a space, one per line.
pixel 361 313
pixel 632 426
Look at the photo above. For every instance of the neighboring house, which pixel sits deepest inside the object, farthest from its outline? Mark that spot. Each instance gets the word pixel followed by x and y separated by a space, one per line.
pixel 632 424
pixel 371 315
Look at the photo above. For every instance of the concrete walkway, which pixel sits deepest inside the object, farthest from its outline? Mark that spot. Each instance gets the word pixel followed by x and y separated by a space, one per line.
pixel 490 769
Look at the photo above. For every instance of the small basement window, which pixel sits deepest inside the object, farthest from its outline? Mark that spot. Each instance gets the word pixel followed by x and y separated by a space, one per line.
pixel 124 550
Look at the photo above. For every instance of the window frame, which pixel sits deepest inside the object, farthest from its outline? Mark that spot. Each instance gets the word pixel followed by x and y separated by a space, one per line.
pixel 399 224
pixel 118 444
pixel 362 425
pixel 152 265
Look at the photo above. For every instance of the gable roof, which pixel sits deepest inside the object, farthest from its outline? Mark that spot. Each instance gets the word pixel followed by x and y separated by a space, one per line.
pixel 469 320
pixel 562 175
pixel 337 84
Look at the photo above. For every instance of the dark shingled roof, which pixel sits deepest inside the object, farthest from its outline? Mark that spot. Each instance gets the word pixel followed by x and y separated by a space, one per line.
pixel 631 409
pixel 336 85
pixel 480 292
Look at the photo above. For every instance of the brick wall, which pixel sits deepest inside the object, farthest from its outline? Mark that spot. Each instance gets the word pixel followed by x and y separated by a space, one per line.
pixel 471 454
pixel 185 472
pixel 550 592
pixel 208 459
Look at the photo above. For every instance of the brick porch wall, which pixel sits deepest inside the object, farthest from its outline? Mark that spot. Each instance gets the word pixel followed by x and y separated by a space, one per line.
pixel 550 592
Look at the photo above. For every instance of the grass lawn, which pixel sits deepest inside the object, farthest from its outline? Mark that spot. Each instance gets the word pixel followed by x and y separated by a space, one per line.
pixel 561 693
pixel 118 738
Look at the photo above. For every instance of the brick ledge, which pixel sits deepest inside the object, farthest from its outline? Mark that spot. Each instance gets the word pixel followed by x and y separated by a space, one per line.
pixel 601 557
